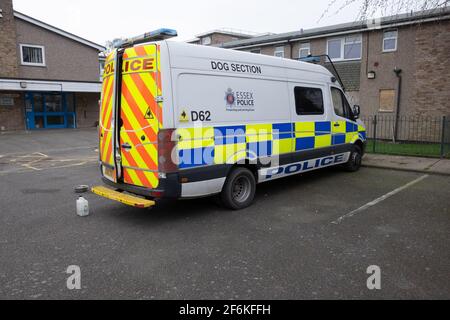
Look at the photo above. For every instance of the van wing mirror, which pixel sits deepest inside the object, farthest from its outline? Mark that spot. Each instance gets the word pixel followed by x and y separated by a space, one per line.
pixel 356 111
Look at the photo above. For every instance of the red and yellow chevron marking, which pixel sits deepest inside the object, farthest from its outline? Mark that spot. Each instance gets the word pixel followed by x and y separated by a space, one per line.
pixel 106 113
pixel 140 87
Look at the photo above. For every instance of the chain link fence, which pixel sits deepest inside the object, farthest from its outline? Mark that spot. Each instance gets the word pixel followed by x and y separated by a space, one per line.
pixel 407 135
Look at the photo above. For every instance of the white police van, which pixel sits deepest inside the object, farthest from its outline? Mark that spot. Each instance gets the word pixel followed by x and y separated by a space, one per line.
pixel 185 121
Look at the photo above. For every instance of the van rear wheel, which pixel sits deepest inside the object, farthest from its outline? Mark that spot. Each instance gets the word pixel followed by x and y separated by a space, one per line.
pixel 239 189
pixel 355 161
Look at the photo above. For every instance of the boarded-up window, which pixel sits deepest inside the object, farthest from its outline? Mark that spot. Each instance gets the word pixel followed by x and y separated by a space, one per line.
pixel 387 100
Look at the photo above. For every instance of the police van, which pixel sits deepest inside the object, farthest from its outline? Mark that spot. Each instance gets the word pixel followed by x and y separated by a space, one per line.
pixel 185 121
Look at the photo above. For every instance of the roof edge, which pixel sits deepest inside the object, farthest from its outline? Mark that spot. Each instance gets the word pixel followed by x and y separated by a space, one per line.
pixel 355 26
pixel 56 30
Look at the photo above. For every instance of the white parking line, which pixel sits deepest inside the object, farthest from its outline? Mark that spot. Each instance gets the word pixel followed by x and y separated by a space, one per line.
pixel 382 198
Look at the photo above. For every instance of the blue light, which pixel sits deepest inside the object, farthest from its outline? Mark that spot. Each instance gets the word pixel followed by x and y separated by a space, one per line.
pixel 156 35
pixel 163 32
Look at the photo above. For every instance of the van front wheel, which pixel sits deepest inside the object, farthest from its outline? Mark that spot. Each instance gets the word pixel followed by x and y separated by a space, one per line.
pixel 239 190
pixel 355 161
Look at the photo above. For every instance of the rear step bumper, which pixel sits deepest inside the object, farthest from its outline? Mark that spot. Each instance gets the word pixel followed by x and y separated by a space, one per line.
pixel 127 199
pixel 170 187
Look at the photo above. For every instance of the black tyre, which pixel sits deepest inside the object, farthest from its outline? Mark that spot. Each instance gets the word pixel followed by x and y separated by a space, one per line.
pixel 355 161
pixel 239 190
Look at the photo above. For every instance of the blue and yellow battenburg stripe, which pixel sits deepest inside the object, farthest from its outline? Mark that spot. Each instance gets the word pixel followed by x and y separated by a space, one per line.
pixel 202 146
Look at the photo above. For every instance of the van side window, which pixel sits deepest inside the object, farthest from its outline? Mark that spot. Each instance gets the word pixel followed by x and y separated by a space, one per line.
pixel 337 102
pixel 308 101
pixel 340 104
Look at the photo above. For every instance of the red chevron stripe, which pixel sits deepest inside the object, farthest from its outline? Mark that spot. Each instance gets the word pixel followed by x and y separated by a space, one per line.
pixel 146 94
pixel 140 174
pixel 126 94
pixel 136 141
pixel 107 101
pixel 109 149
pixel 140 51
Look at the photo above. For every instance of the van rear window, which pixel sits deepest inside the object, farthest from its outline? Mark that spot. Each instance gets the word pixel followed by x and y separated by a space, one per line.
pixel 308 101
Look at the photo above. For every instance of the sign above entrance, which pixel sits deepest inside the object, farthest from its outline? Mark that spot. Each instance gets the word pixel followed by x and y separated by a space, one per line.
pixel 6 101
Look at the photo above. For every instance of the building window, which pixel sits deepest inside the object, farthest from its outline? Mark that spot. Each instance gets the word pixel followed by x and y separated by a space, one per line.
pixel 347 48
pixel 305 50
pixel 334 49
pixel 257 51
pixel 390 40
pixel 308 101
pixel 387 100
pixel 32 55
pixel 206 41
pixel 279 52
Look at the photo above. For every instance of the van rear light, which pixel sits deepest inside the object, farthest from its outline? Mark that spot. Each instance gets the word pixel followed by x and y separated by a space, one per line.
pixel 167 151
pixel 157 194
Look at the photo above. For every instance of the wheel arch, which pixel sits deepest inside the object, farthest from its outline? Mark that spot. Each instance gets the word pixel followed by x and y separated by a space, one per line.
pixel 361 144
pixel 247 164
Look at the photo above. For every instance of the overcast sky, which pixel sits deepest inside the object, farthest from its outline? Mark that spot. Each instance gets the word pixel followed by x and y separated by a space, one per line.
pixel 101 20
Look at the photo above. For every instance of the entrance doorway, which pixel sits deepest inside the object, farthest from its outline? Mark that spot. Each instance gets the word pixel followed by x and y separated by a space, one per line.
pixel 48 110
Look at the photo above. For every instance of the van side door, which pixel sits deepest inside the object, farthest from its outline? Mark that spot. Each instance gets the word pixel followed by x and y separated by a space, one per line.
pixel 312 130
pixel 344 125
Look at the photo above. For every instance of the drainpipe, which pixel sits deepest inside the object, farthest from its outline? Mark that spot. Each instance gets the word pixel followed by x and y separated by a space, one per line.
pixel 291 47
pixel 398 73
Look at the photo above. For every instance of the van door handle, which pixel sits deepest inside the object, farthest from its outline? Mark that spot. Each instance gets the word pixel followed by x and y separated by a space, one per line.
pixel 126 146
pixel 337 125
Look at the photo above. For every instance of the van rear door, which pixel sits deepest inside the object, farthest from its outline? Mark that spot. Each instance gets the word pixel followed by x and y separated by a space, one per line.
pixel 107 119
pixel 140 115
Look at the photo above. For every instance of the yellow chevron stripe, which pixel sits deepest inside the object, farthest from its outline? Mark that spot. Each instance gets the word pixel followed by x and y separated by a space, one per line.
pixel 107 137
pixel 151 177
pixel 135 124
pixel 158 61
pixel 150 49
pixel 134 178
pixel 137 95
pixel 108 110
pixel 150 83
pixel 110 56
pixel 152 150
pixel 154 181
pixel 131 53
pixel 140 101
pixel 108 143
pixel 103 97
pixel 140 163
pixel 134 153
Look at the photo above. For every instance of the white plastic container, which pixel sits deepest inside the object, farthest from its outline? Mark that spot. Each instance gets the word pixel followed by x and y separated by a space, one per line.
pixel 82 207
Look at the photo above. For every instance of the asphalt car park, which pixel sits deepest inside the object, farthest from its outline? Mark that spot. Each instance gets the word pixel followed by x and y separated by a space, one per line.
pixel 311 236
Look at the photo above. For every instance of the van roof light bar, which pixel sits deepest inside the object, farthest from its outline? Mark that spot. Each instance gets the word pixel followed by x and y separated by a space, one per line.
pixel 156 35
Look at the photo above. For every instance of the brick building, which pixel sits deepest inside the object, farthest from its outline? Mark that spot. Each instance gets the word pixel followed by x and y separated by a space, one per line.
pixel 49 78
pixel 373 55
pixel 221 36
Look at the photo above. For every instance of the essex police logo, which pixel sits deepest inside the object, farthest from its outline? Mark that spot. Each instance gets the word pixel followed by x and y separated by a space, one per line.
pixel 230 98
pixel 240 101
